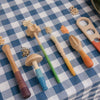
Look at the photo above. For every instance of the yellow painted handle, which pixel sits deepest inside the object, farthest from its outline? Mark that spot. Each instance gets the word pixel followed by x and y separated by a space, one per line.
pixel 86 59
pixel 69 66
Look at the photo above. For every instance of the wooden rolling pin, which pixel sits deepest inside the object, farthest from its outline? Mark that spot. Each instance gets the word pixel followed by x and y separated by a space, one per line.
pixel 21 83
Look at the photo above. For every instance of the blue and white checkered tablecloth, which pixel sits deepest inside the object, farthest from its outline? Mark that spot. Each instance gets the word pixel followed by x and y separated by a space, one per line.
pixel 53 13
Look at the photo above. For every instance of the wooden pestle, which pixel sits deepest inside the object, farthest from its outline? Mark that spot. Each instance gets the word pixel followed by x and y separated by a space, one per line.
pixel 21 83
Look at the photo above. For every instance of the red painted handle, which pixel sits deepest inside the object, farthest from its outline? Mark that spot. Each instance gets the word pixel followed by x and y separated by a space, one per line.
pixel 22 85
pixel 96 45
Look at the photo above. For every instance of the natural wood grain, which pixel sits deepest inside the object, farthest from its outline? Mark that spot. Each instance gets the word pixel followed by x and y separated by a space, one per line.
pixel 33 57
pixel 87 27
pixel 6 50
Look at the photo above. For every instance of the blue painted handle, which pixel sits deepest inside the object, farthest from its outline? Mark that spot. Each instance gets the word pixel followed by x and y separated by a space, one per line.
pixel 41 79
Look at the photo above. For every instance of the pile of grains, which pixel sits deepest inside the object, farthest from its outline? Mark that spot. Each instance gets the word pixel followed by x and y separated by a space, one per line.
pixel 74 11
pixel 25 51
pixel 48 30
pixel 1 40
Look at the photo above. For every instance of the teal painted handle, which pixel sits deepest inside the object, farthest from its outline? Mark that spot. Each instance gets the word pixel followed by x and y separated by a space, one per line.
pixel 48 60
pixel 41 79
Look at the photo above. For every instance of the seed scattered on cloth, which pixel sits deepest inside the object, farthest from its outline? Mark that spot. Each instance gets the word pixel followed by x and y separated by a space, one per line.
pixel 25 51
pixel 48 30
pixel 64 30
pixel 1 40
pixel 74 11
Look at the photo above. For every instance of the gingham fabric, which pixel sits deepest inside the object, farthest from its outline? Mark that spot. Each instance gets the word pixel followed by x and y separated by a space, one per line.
pixel 53 13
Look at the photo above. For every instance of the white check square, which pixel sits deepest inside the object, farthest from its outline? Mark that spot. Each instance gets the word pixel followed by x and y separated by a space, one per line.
pixel 62 19
pixel 63 77
pixel 37 5
pixel 87 83
pixel 55 97
pixel 5 5
pixel 19 1
pixel 23 10
pixel 4 86
pixel 43 14
pixel 2 29
pixel 20 35
pixel 1 70
pixel 15 24
pixel 70 91
pixel 10 14
pixel 55 9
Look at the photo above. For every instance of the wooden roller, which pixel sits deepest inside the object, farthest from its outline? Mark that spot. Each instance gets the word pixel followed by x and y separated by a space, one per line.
pixel 21 83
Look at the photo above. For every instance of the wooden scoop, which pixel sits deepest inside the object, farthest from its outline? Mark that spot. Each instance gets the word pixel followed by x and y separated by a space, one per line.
pixel 76 44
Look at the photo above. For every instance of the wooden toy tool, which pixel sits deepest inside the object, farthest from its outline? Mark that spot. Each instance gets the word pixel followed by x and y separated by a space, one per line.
pixel 76 44
pixel 21 83
pixel 61 51
pixel 33 31
pixel 90 26
pixel 33 60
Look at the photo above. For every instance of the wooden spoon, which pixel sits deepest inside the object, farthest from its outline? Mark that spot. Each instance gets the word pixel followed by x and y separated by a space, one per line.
pixel 76 44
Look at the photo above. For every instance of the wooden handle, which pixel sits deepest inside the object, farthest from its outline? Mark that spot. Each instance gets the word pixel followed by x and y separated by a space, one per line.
pixel 61 51
pixel 69 66
pixel 6 50
pixel 86 59
pixel 21 83
pixel 96 45
pixel 41 79
pixel 39 75
pixel 35 34
pixel 49 62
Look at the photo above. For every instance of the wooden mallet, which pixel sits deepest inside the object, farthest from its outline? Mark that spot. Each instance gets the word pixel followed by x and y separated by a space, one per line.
pixel 33 60
pixel 21 83
pixel 33 31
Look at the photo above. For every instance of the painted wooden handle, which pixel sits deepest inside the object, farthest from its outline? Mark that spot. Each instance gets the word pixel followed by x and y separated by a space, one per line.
pixel 61 51
pixel 69 66
pixel 96 45
pixel 86 59
pixel 22 85
pixel 49 62
pixel 41 79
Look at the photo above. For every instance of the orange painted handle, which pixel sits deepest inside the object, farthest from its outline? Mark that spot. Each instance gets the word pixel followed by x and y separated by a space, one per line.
pixel 86 59
pixel 69 66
